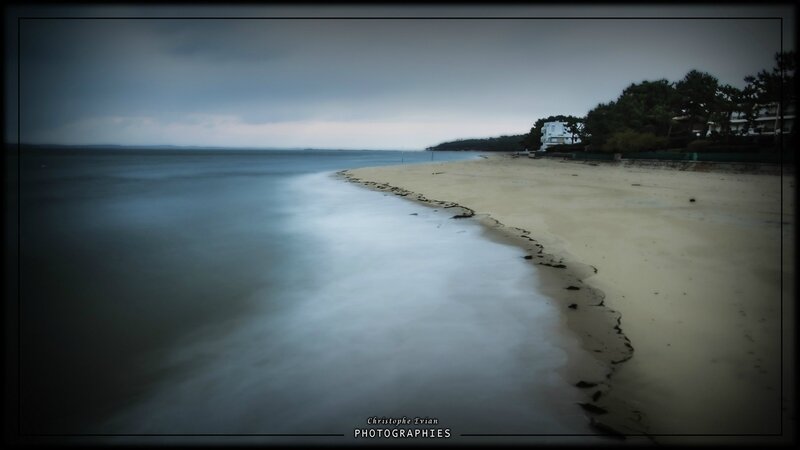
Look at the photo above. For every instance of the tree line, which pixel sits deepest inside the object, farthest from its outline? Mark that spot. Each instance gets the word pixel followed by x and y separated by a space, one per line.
pixel 644 115
pixel 511 143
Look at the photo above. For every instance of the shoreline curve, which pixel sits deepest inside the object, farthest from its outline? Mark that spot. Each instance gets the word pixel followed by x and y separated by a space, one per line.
pixel 597 326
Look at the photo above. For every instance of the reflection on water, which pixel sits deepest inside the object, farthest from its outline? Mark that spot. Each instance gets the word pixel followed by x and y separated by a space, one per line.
pixel 235 294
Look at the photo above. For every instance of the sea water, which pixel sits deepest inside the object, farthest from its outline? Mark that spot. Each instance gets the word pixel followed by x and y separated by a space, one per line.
pixel 214 292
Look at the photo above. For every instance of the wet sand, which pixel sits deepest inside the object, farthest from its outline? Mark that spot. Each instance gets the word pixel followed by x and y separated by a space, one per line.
pixel 680 282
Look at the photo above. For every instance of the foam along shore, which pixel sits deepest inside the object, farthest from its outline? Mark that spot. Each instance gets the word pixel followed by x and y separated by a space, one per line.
pixel 680 281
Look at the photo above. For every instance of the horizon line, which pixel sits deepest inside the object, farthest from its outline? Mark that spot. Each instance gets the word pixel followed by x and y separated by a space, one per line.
pixel 209 147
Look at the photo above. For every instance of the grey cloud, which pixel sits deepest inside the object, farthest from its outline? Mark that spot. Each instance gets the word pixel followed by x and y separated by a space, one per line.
pixel 278 70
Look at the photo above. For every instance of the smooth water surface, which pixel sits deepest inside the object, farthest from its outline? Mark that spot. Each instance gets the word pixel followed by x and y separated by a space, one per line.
pixel 252 292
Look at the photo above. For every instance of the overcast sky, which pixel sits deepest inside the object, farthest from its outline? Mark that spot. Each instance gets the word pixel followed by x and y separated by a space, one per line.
pixel 354 83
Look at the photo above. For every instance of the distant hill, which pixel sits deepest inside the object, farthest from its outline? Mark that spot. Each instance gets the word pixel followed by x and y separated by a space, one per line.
pixel 496 144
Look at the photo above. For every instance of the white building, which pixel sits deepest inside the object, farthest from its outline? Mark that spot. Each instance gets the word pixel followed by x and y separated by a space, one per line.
pixel 767 120
pixel 554 133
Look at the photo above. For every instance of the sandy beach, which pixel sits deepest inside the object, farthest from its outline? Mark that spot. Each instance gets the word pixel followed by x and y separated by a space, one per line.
pixel 680 282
